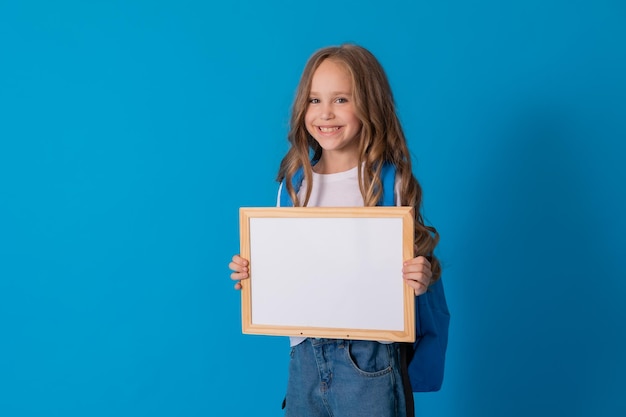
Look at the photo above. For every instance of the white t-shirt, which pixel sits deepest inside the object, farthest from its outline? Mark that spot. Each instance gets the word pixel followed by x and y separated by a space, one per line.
pixel 333 190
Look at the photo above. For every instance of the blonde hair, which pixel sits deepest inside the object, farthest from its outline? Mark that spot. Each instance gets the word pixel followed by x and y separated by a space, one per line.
pixel 382 139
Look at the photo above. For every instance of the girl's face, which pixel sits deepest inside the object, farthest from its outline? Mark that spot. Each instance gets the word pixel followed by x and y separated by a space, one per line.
pixel 331 115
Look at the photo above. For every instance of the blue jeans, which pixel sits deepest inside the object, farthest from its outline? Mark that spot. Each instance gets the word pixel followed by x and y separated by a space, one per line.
pixel 345 378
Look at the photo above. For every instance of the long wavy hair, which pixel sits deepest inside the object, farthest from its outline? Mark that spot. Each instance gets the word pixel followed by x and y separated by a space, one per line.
pixel 381 139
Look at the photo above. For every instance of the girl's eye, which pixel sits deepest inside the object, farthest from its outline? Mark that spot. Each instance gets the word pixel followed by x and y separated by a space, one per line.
pixel 342 100
pixel 314 100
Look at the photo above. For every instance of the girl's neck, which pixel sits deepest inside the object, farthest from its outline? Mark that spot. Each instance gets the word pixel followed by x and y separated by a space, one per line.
pixel 333 165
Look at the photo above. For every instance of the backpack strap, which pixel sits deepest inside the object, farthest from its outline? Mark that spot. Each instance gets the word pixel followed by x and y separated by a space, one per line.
pixel 388 178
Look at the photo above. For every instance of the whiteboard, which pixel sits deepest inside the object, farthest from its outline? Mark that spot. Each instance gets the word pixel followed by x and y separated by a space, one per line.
pixel 328 272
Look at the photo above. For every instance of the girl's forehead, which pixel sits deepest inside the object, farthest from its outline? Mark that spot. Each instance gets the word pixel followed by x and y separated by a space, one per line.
pixel 332 65
pixel 331 73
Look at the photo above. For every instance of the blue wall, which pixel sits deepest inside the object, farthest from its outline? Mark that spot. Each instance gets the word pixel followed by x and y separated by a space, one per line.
pixel 132 131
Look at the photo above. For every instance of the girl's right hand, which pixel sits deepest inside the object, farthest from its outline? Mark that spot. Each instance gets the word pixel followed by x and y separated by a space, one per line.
pixel 239 266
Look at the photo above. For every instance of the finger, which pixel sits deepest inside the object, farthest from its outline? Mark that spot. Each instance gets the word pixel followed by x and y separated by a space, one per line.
pixel 425 261
pixel 238 276
pixel 236 267
pixel 419 287
pixel 417 267
pixel 419 278
pixel 239 260
pixel 417 274
pixel 238 286
pixel 420 260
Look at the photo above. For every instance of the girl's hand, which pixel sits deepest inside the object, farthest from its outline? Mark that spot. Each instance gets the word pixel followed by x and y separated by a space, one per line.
pixel 417 274
pixel 239 266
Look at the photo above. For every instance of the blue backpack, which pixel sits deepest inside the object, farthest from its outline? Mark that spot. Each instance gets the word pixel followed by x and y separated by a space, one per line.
pixel 423 359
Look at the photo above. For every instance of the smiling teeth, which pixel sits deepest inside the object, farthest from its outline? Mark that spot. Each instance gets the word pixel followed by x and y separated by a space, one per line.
pixel 328 129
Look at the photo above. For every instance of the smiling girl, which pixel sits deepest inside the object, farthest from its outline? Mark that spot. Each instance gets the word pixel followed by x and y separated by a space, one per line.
pixel 344 116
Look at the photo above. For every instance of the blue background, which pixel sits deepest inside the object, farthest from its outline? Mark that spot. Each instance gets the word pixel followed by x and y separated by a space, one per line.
pixel 132 131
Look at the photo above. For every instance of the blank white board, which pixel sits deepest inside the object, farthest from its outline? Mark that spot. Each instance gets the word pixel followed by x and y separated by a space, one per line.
pixel 328 272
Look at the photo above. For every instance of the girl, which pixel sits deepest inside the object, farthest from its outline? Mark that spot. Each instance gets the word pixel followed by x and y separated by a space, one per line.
pixel 344 116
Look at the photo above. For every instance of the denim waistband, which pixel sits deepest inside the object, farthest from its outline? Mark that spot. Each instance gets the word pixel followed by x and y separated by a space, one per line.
pixel 318 341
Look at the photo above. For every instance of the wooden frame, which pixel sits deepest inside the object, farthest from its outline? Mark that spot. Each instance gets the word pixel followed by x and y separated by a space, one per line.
pixel 328 272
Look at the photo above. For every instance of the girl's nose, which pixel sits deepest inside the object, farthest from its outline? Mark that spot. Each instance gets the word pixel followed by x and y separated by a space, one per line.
pixel 327 113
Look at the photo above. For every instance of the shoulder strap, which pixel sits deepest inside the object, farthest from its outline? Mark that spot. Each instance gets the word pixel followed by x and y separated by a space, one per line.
pixel 284 198
pixel 388 178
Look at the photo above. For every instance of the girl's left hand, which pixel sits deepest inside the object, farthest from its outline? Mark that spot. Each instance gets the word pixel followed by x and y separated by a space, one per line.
pixel 417 274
